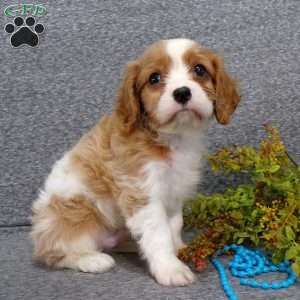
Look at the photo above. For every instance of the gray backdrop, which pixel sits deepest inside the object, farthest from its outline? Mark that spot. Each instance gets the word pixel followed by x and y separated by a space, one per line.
pixel 50 95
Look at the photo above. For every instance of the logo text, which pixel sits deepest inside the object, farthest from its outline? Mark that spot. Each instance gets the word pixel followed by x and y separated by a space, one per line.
pixel 37 10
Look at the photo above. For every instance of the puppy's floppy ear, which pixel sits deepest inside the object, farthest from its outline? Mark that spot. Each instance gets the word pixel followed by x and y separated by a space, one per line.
pixel 227 94
pixel 128 105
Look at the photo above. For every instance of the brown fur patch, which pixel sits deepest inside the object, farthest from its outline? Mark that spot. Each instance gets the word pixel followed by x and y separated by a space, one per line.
pixel 218 85
pixel 62 222
pixel 110 163
pixel 137 98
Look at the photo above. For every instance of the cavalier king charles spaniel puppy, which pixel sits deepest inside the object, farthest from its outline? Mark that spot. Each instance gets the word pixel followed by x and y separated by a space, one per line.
pixel 130 174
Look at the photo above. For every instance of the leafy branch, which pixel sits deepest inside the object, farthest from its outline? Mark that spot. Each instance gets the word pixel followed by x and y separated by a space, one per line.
pixel 264 213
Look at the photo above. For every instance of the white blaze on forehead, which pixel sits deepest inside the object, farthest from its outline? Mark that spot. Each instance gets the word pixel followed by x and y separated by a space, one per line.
pixel 176 48
pixel 179 71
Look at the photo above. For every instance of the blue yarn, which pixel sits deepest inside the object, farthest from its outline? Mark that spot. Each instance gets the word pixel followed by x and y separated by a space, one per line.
pixel 249 263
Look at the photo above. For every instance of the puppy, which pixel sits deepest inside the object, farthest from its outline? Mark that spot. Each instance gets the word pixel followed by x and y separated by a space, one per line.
pixel 134 169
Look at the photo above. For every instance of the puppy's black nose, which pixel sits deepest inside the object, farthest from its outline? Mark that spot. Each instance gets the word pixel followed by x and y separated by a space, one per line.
pixel 182 95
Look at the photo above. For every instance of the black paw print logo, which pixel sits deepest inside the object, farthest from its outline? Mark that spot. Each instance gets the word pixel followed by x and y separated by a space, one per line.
pixel 27 33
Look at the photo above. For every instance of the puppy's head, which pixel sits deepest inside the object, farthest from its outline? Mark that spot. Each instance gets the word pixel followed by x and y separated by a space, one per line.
pixel 174 86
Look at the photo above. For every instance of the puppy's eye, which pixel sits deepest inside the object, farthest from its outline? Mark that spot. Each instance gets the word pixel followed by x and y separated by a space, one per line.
pixel 200 70
pixel 154 78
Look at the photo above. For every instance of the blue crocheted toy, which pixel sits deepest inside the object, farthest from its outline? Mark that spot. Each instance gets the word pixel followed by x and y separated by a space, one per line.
pixel 249 263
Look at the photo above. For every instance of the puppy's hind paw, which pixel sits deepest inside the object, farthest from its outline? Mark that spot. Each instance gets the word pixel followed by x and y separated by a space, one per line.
pixel 94 262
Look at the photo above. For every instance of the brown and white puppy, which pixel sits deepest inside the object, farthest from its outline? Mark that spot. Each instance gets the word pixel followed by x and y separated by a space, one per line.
pixel 134 169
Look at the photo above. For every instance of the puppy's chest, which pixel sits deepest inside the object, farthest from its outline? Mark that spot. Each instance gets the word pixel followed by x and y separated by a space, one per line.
pixel 176 179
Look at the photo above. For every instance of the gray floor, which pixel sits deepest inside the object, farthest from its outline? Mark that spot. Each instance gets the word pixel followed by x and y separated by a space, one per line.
pixel 21 279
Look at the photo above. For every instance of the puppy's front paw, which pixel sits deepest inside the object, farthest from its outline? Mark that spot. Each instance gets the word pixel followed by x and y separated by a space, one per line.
pixel 173 273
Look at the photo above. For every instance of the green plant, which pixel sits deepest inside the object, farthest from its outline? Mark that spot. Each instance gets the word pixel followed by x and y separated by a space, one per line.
pixel 264 213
